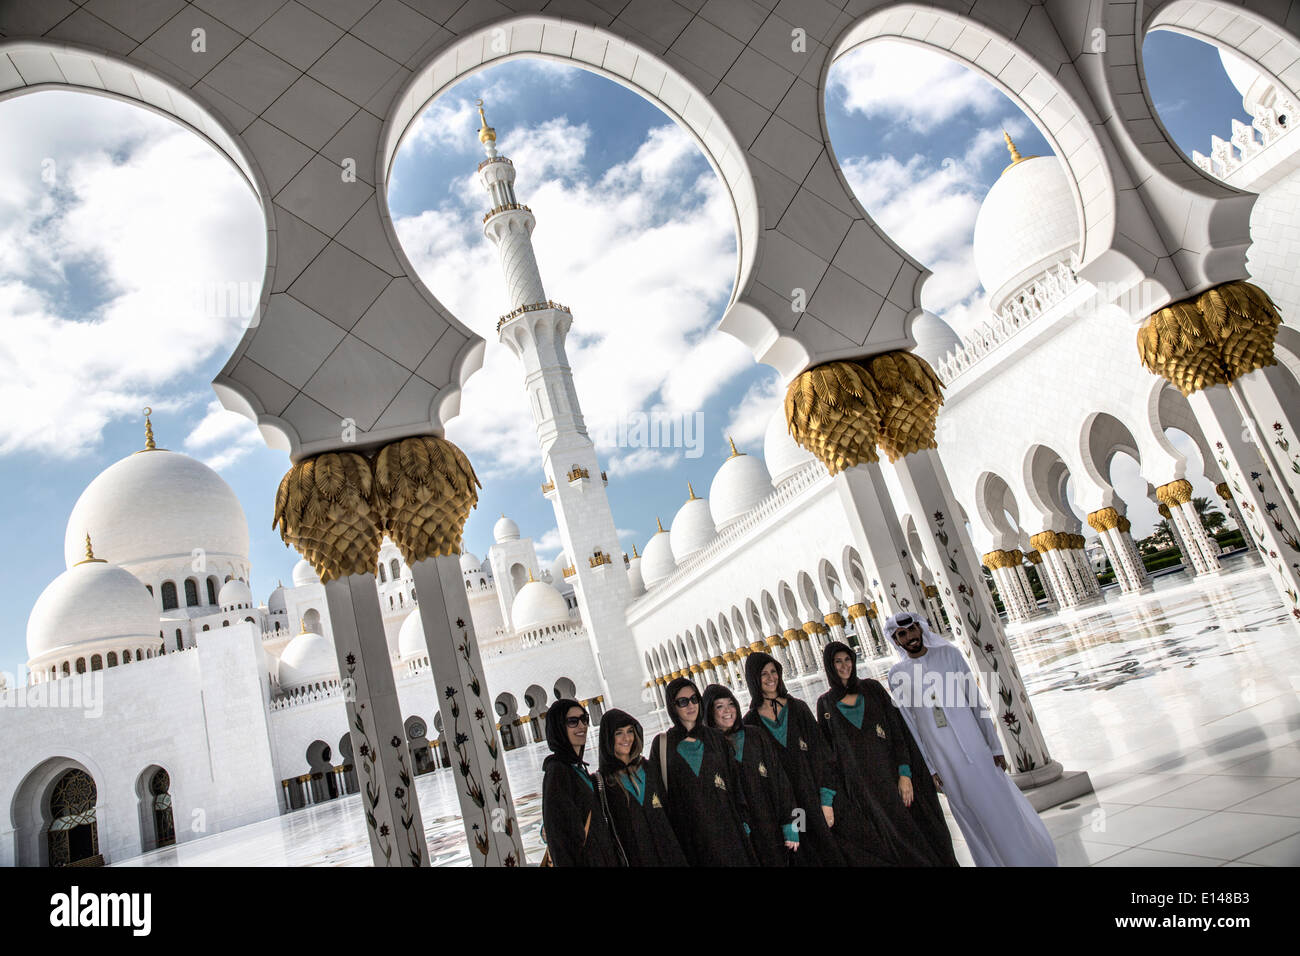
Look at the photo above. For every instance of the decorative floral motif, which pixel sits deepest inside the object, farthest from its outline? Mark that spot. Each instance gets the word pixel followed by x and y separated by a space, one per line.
pixel 366 751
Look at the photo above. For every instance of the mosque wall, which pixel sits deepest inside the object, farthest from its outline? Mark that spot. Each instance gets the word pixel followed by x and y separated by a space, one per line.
pixel 1274 256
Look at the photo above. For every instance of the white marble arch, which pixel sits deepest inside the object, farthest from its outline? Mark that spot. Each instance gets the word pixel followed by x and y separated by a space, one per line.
pixel 993 499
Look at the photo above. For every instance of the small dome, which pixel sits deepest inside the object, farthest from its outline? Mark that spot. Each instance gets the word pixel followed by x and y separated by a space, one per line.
pixel 306 659
pixel 557 567
pixel 505 530
pixel 469 563
pixel 782 453
pixel 538 604
pixel 634 579
pixel 657 561
pixel 156 504
pixel 1026 224
pixel 692 527
pixel 304 574
pixel 740 484
pixel 92 601
pixel 235 593
pixel 934 337
pixel 275 603
pixel 410 639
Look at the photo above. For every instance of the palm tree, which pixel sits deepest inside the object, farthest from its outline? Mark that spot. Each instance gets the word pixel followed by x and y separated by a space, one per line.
pixel 1211 517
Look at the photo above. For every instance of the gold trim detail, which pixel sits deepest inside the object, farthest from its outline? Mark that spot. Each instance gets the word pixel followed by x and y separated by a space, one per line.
pixel 1104 519
pixel 1175 492
pixel 427 489
pixel 857 610
pixel 1224 491
pixel 834 619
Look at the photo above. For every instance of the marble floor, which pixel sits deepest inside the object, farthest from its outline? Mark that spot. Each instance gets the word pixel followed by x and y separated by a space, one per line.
pixel 1182 704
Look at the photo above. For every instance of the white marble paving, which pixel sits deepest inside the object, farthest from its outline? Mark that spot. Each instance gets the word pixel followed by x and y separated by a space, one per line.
pixel 1182 705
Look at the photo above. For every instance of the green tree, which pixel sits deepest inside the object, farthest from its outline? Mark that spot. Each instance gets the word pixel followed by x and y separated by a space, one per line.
pixel 1211 517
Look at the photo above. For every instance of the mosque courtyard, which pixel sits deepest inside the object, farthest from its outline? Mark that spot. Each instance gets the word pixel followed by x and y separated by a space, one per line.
pixel 1180 703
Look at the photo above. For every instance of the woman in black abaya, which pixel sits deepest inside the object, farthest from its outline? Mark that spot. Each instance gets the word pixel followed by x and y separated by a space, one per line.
pixel 881 768
pixel 635 794
pixel 577 825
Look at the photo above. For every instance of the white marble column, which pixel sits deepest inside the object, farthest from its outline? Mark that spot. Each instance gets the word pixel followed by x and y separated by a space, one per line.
pixel 835 621
pixel 1258 491
pixel 392 812
pixel 1125 532
pixel 1048 544
pixel 1177 497
pixel 977 629
pixel 1276 427
pixel 1050 597
pixel 1230 505
pixel 465 703
pixel 874 525
pixel 1021 576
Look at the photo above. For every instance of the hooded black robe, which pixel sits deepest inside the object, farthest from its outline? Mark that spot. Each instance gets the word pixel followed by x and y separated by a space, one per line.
pixel 571 796
pixel 769 798
pixel 707 810
pixel 811 768
pixel 642 825
pixel 869 759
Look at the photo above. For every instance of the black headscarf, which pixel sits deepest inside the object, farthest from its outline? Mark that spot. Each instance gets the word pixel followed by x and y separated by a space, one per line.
pixel 754 665
pixel 674 689
pixel 716 692
pixel 557 731
pixel 837 688
pixel 611 723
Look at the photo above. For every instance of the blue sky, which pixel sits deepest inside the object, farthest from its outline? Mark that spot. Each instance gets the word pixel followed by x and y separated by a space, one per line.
pixel 633 233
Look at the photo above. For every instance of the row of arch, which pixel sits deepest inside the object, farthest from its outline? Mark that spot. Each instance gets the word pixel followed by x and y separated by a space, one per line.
pixel 169 595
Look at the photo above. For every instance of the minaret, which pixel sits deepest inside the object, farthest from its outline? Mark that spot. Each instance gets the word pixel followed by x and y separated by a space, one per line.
pixel 534 329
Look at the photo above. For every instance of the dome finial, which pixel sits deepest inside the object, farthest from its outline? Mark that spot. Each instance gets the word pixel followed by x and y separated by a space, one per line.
pixel 659 524
pixel 691 490
pixel 734 452
pixel 90 554
pixel 634 554
pixel 148 430
pixel 530 576
pixel 302 623
pixel 486 134
pixel 1015 153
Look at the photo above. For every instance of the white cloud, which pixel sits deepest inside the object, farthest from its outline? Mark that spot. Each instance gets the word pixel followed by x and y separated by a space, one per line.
pixel 110 265
pixel 223 437
pixel 909 84
pixel 747 420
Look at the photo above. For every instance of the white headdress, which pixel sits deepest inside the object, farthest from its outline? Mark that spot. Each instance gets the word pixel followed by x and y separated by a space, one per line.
pixel 903 619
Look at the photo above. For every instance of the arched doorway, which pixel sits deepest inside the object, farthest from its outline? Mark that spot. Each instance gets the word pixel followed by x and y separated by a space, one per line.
pixel 157 823
pixel 73 835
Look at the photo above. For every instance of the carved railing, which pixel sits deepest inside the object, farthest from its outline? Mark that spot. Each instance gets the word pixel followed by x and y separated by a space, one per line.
pixel 504 207
pixel 534 307
pixel 1229 155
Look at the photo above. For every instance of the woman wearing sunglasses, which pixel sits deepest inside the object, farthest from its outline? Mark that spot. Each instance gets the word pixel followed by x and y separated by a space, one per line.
pixel 575 816
pixel 769 798
pixel 884 775
pixel 635 794
pixel 705 802
pixel 834 834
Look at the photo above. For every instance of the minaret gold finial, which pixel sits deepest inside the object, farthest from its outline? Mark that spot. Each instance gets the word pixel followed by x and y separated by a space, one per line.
pixel 302 623
pixel 148 430
pixel 634 554
pixel 530 576
pixel 734 452
pixel 486 133
pixel 660 524
pixel 90 554
pixel 691 490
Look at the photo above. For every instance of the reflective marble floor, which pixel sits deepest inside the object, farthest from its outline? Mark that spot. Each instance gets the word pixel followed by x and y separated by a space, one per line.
pixel 1181 704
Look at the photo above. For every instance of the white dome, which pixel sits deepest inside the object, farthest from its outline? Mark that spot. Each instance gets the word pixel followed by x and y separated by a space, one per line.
pixel 410 639
pixel 156 504
pixel 634 579
pixel 306 659
pixel 1027 223
pixel 557 569
pixel 934 337
pixel 782 453
pixel 235 593
pixel 740 484
pixel 469 563
pixel 538 604
pixel 89 602
pixel 692 527
pixel 657 561
pixel 304 574
pixel 505 530
pixel 275 603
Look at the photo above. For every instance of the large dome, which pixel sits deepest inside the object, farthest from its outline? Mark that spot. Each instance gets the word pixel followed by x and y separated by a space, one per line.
pixel 505 530
pixel 538 604
pixel 782 453
pixel 692 527
pixel 1027 223
pixel 156 504
pixel 91 602
pixel 934 337
pixel 657 561
pixel 306 659
pixel 740 484
pixel 304 574
pixel 410 639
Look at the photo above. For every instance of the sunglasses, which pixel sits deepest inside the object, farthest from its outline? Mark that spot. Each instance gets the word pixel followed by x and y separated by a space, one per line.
pixel 687 701
pixel 574 721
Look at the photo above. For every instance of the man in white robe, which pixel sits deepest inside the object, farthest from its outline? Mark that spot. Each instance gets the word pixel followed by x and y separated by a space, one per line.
pixel 943 707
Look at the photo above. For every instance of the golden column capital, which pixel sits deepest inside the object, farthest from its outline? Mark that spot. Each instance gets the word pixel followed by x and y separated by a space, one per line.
pixel 428 488
pixel 1224 491
pixel 1016 557
pixel 931 590
pixel 790 635
pixel 874 610
pixel 857 610
pixel 1124 525
pixel 743 651
pixel 717 662
pixel 1048 540
pixel 1175 492
pixel 1212 338
pixel 909 394
pixel 775 640
pixel 831 410
pixel 756 647
pixel 729 657
pixel 1034 556
pixel 695 669
pixel 1164 510
pixel 1103 519
pixel 326 509
pixel 834 619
